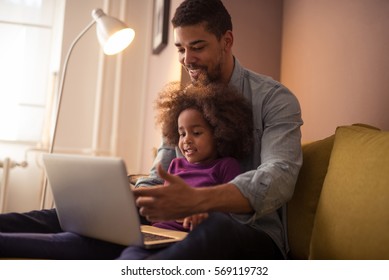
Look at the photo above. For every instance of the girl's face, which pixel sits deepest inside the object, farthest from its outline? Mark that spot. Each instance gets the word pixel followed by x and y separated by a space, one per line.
pixel 196 140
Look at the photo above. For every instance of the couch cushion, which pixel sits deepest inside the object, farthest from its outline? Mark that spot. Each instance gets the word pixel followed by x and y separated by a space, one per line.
pixel 352 219
pixel 302 207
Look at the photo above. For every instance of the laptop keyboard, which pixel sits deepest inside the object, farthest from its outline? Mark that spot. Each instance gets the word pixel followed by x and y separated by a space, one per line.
pixel 154 237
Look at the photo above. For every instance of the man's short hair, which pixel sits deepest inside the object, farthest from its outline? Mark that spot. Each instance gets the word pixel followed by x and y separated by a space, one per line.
pixel 211 12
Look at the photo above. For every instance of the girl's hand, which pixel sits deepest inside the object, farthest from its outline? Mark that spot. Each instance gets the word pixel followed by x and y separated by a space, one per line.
pixel 193 221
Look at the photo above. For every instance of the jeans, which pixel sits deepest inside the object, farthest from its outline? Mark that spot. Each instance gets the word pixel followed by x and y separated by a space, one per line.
pixel 38 234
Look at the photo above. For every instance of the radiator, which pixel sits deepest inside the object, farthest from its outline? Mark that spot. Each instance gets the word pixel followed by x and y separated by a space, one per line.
pixel 6 164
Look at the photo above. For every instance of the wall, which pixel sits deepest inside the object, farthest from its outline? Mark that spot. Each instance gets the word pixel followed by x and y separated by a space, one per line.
pixel 335 59
pixel 162 68
pixel 79 95
pixel 330 53
pixel 102 109
pixel 257 27
pixel 126 137
pixel 110 110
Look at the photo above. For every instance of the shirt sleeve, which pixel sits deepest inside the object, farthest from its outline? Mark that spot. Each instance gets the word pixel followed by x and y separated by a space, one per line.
pixel 277 155
pixel 165 155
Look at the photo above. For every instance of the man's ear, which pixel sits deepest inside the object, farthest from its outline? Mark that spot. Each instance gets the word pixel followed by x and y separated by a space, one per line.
pixel 228 39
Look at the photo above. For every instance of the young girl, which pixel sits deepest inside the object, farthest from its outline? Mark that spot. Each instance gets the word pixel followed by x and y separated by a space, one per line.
pixel 212 127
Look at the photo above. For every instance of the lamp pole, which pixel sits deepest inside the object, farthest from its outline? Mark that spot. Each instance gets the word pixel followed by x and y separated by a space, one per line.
pixel 107 28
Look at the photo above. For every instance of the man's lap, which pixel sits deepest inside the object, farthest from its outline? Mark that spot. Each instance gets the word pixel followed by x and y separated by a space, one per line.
pixel 218 237
pixel 63 245
pixel 38 221
pixel 37 234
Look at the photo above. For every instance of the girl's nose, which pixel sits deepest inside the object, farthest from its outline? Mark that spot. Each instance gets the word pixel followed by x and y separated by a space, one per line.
pixel 187 140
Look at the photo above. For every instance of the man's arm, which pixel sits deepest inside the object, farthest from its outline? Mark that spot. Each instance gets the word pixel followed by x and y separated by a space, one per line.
pixel 178 200
pixel 165 155
pixel 277 155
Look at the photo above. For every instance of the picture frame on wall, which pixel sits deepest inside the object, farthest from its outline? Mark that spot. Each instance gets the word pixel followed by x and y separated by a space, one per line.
pixel 160 25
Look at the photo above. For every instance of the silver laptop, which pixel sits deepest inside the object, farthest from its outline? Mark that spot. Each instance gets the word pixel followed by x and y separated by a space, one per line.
pixel 93 198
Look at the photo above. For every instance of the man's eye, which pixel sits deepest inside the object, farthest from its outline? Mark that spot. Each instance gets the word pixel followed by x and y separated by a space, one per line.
pixel 196 49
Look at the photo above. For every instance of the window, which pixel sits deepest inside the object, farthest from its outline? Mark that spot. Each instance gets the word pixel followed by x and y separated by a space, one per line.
pixel 29 55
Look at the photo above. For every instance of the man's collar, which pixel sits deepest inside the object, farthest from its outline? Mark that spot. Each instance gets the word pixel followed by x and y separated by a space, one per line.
pixel 236 74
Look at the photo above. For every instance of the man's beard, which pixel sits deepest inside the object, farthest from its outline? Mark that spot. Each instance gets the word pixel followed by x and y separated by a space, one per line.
pixel 206 77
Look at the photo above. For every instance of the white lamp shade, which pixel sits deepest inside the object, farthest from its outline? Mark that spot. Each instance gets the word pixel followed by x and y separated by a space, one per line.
pixel 113 35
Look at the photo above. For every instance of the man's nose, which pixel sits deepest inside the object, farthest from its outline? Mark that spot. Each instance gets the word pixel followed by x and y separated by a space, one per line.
pixel 189 58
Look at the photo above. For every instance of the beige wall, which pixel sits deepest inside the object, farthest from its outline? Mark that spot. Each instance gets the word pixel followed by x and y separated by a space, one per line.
pixel 79 96
pixel 331 54
pixel 162 68
pixel 108 100
pixel 102 110
pixel 335 59
pixel 257 27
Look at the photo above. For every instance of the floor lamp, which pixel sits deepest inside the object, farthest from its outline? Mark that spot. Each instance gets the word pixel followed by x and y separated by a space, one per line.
pixel 114 36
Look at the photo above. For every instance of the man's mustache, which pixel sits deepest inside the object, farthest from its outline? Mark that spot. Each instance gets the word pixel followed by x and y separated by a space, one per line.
pixel 194 67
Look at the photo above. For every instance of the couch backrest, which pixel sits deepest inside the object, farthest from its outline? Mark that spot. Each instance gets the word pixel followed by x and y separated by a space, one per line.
pixel 352 216
pixel 340 208
pixel 302 208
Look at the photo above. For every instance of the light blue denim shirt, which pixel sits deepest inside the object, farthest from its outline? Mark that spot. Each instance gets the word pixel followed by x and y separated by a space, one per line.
pixel 272 168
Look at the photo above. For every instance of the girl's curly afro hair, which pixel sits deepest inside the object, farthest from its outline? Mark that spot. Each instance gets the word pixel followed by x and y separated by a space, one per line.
pixel 226 111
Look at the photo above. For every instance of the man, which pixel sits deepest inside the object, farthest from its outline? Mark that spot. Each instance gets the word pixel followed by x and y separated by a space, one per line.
pixel 256 227
pixel 246 218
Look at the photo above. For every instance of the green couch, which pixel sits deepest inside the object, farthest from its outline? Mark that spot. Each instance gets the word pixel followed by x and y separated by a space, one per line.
pixel 340 208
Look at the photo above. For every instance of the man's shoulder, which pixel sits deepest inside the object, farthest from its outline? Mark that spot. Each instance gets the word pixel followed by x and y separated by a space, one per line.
pixel 245 78
pixel 261 79
pixel 264 85
pixel 260 88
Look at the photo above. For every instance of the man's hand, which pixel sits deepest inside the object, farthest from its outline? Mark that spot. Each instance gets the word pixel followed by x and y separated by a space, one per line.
pixel 177 200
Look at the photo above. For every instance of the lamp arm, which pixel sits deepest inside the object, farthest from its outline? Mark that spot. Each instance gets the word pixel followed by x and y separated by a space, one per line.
pixel 62 82
pixel 59 102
